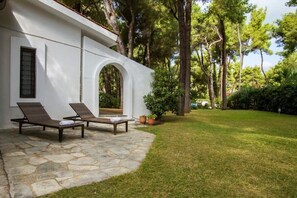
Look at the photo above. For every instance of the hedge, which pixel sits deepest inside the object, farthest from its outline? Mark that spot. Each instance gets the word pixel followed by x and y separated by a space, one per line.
pixel 269 98
pixel 108 101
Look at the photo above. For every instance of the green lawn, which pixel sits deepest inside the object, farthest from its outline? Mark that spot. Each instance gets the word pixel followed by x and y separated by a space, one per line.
pixel 211 153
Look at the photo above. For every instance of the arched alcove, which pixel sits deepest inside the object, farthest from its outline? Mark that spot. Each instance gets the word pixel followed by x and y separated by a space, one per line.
pixel 126 86
pixel 136 78
pixel 110 91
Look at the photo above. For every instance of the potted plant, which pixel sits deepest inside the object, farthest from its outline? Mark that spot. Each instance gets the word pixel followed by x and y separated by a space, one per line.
pixel 142 119
pixel 151 119
pixel 165 93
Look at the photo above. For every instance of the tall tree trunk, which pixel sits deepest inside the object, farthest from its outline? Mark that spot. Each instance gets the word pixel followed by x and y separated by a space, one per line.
pixel 119 89
pixel 262 68
pixel 188 12
pixel 147 50
pixel 212 67
pixel 220 84
pixel 144 56
pixel 224 65
pixel 215 81
pixel 107 80
pixel 182 53
pixel 148 53
pixel 241 57
pixel 131 32
pixel 112 21
pixel 209 73
pixel 184 9
pixel 211 89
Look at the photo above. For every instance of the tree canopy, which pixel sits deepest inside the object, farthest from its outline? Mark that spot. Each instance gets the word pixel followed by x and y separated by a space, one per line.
pixel 203 42
pixel 286 33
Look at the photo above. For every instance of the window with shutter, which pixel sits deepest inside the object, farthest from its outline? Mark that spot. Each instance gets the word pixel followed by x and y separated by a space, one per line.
pixel 28 73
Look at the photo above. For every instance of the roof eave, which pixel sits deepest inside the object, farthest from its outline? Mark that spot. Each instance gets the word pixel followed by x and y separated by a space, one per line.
pixel 105 36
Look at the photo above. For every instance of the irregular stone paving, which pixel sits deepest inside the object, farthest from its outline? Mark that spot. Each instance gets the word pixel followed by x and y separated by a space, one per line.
pixel 4 189
pixel 37 164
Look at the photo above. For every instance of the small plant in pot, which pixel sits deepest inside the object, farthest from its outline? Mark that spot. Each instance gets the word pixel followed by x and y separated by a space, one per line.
pixel 151 119
pixel 142 119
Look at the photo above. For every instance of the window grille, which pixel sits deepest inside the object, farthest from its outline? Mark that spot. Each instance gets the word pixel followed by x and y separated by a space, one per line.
pixel 28 73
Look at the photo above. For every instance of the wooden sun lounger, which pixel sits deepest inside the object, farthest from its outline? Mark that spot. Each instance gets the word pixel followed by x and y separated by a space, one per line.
pixel 35 114
pixel 84 114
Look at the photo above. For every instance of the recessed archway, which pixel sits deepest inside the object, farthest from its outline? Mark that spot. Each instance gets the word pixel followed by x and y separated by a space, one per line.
pixel 126 88
pixel 110 92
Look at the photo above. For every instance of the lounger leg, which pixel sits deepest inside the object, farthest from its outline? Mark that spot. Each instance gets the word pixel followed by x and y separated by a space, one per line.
pixel 115 129
pixel 82 131
pixel 20 127
pixel 126 126
pixel 60 135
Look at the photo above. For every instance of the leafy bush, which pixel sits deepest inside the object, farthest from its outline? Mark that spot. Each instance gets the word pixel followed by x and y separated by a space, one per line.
pixel 152 116
pixel 108 101
pixel 288 98
pixel 269 98
pixel 164 94
pixel 244 99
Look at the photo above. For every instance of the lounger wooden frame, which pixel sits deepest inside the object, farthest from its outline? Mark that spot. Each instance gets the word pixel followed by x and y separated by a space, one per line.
pixel 84 114
pixel 35 114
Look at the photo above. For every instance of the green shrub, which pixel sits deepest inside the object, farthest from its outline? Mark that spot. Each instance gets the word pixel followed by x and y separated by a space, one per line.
pixel 244 99
pixel 269 98
pixel 152 116
pixel 164 94
pixel 108 101
pixel 288 99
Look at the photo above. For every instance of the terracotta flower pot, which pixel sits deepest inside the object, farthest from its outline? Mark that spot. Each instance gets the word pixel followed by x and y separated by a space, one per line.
pixel 151 121
pixel 142 119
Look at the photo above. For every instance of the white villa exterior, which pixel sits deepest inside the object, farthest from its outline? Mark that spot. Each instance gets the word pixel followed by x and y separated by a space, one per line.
pixel 69 52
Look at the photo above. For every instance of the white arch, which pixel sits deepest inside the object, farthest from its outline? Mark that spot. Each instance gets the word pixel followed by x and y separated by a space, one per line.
pixel 136 78
pixel 127 86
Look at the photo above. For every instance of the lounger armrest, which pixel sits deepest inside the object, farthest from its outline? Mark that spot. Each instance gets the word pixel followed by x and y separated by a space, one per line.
pixel 74 118
pixel 19 120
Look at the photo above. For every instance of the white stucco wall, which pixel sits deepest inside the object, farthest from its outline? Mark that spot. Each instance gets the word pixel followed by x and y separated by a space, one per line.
pixel 58 59
pixel 136 78
pixel 60 44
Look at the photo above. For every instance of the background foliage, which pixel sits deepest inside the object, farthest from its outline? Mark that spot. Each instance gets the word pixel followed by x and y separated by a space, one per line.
pixel 269 98
pixel 222 34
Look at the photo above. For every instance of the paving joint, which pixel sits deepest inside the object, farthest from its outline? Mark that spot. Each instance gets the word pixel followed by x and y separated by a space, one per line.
pixel 5 175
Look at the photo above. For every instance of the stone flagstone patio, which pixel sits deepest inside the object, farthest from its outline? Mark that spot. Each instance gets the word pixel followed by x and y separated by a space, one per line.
pixel 35 163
